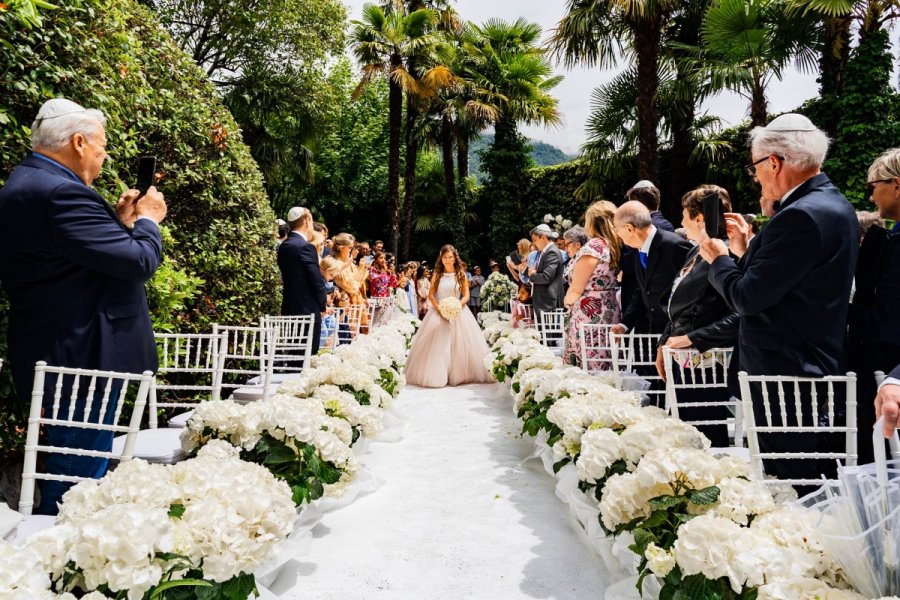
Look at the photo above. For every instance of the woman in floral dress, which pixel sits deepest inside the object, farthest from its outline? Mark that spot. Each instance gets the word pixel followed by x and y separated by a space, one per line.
pixel 591 273
pixel 382 283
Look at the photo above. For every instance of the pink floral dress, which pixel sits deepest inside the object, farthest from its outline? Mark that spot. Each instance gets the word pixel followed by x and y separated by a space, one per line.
pixel 381 283
pixel 597 304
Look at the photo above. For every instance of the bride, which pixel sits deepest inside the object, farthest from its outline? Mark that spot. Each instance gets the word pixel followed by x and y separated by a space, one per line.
pixel 448 351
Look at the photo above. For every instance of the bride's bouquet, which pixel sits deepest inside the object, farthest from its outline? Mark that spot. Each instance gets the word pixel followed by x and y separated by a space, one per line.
pixel 450 308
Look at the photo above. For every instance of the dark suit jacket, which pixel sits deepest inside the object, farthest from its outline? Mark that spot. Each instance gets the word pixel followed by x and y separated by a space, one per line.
pixel 547 282
pixel 874 318
pixel 304 286
pixel 646 313
pixel 895 373
pixel 626 265
pixel 697 310
pixel 74 275
pixel 792 286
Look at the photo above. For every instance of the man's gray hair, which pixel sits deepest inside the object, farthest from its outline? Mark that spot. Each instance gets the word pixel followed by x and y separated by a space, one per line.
pixel 54 133
pixel 577 235
pixel 801 150
pixel 634 213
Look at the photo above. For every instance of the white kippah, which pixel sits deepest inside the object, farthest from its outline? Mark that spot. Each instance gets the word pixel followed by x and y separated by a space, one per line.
pixel 295 213
pixel 643 183
pixel 791 122
pixel 58 107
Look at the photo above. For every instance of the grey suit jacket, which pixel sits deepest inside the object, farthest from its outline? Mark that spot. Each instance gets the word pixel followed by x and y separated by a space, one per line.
pixel 547 281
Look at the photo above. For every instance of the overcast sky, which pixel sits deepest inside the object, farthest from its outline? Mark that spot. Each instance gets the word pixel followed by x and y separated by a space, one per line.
pixel 574 93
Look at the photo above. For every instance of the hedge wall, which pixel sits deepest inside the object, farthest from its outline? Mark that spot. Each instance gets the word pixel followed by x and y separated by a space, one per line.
pixel 113 55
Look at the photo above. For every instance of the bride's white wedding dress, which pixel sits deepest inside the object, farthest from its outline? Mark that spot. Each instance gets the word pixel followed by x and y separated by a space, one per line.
pixel 447 352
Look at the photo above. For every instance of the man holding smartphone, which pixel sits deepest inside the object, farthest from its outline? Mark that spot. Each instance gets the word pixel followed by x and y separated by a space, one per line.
pixel 74 270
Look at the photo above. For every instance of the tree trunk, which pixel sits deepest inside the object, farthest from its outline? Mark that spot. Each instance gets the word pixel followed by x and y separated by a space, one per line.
pixel 453 205
pixel 395 122
pixel 758 109
pixel 646 43
pixel 835 54
pixel 412 154
pixel 462 158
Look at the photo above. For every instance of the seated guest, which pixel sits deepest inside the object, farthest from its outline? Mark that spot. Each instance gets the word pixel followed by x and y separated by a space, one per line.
pixel 591 272
pixel 874 320
pixel 699 318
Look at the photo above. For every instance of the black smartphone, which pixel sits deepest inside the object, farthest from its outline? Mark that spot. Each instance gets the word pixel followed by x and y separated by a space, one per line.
pixel 146 173
pixel 515 257
pixel 713 216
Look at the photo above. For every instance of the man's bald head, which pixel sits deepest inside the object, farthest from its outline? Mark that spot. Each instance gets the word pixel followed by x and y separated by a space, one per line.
pixel 633 213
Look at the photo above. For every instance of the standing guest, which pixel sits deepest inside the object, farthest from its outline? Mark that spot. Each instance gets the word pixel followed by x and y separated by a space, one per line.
pixel 423 288
pixel 323 229
pixel 317 241
pixel 406 288
pixel 329 267
pixel 494 266
pixel 546 276
pixel 660 255
pixel 298 260
pixel 887 403
pixel 874 320
pixel 363 258
pixel 792 285
pixel 74 270
pixel 475 291
pixel 521 305
pixel 593 262
pixel 378 246
pixel 647 194
pixel 351 280
pixel 283 231
pixel 382 283
pixel 699 318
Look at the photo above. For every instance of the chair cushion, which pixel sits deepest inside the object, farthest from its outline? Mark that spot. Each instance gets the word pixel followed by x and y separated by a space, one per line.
pixel 253 394
pixel 161 446
pixel 743 453
pixel 180 421
pixel 276 378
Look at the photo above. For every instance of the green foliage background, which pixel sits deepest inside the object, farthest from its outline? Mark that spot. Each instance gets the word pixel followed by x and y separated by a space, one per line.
pixel 112 55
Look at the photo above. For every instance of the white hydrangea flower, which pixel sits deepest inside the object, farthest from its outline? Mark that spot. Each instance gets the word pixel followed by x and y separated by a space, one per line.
pixel 659 560
pixel 650 434
pixel 625 499
pixel 600 448
pixel 740 499
pixel 52 546
pixel 22 574
pixel 663 466
pixel 806 588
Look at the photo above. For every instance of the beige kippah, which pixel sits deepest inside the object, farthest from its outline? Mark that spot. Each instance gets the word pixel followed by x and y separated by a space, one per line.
pixel 58 107
pixel 643 183
pixel 791 122
pixel 295 213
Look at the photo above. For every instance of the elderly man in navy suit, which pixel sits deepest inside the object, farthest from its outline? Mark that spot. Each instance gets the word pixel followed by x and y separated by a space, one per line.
pixel 74 270
pixel 304 285
pixel 792 285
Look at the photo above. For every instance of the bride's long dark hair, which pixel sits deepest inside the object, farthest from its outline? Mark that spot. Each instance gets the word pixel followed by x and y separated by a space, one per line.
pixel 457 265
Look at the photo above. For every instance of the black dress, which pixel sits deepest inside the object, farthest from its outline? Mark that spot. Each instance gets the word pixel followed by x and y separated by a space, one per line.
pixel 697 310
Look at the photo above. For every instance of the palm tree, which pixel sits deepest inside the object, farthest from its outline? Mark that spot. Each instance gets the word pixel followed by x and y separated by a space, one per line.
pixel 747 43
pixel 598 32
pixel 382 41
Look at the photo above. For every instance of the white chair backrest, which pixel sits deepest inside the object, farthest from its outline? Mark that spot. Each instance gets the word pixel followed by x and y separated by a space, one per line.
pixel 807 405
pixel 349 320
pixel 293 341
pixel 690 369
pixel 552 327
pixel 596 347
pixel 879 376
pixel 247 352
pixel 635 354
pixel 190 370
pixel 82 399
pixel 375 307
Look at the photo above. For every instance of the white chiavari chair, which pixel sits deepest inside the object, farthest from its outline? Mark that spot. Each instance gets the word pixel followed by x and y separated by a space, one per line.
pixel 350 322
pixel 551 325
pixel 596 347
pixel 82 399
pixel 249 355
pixel 634 356
pixel 799 405
pixel 294 340
pixel 689 369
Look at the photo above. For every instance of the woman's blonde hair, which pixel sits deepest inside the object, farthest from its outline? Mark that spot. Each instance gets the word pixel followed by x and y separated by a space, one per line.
pixel 524 247
pixel 330 265
pixel 886 166
pixel 598 220
pixel 317 240
pixel 342 240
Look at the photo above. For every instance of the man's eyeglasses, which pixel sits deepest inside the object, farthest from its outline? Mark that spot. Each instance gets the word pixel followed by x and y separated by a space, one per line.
pixel 750 169
pixel 870 185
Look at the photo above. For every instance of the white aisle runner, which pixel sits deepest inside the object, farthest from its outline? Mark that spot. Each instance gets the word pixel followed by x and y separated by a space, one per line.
pixel 458 515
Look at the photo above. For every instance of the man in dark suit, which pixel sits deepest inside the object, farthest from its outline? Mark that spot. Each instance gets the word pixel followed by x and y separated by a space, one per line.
pixel 887 403
pixel 658 257
pixel 546 276
pixel 792 285
pixel 74 270
pixel 874 321
pixel 304 285
pixel 647 194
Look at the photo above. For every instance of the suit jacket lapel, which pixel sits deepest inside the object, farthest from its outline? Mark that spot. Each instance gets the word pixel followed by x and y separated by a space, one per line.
pixel 653 255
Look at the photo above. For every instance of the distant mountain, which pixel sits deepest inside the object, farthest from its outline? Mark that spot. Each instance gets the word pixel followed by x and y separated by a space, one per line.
pixel 544 154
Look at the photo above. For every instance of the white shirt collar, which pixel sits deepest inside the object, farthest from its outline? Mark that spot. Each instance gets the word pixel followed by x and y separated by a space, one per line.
pixel 301 235
pixel 791 191
pixel 646 247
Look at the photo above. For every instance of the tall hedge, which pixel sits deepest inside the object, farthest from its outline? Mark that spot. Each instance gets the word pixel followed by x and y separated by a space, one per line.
pixel 113 55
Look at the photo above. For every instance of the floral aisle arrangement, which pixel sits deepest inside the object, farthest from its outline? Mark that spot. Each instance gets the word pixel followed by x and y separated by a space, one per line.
pixel 304 434
pixel 497 291
pixel 199 529
pixel 694 524
pixel 202 526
